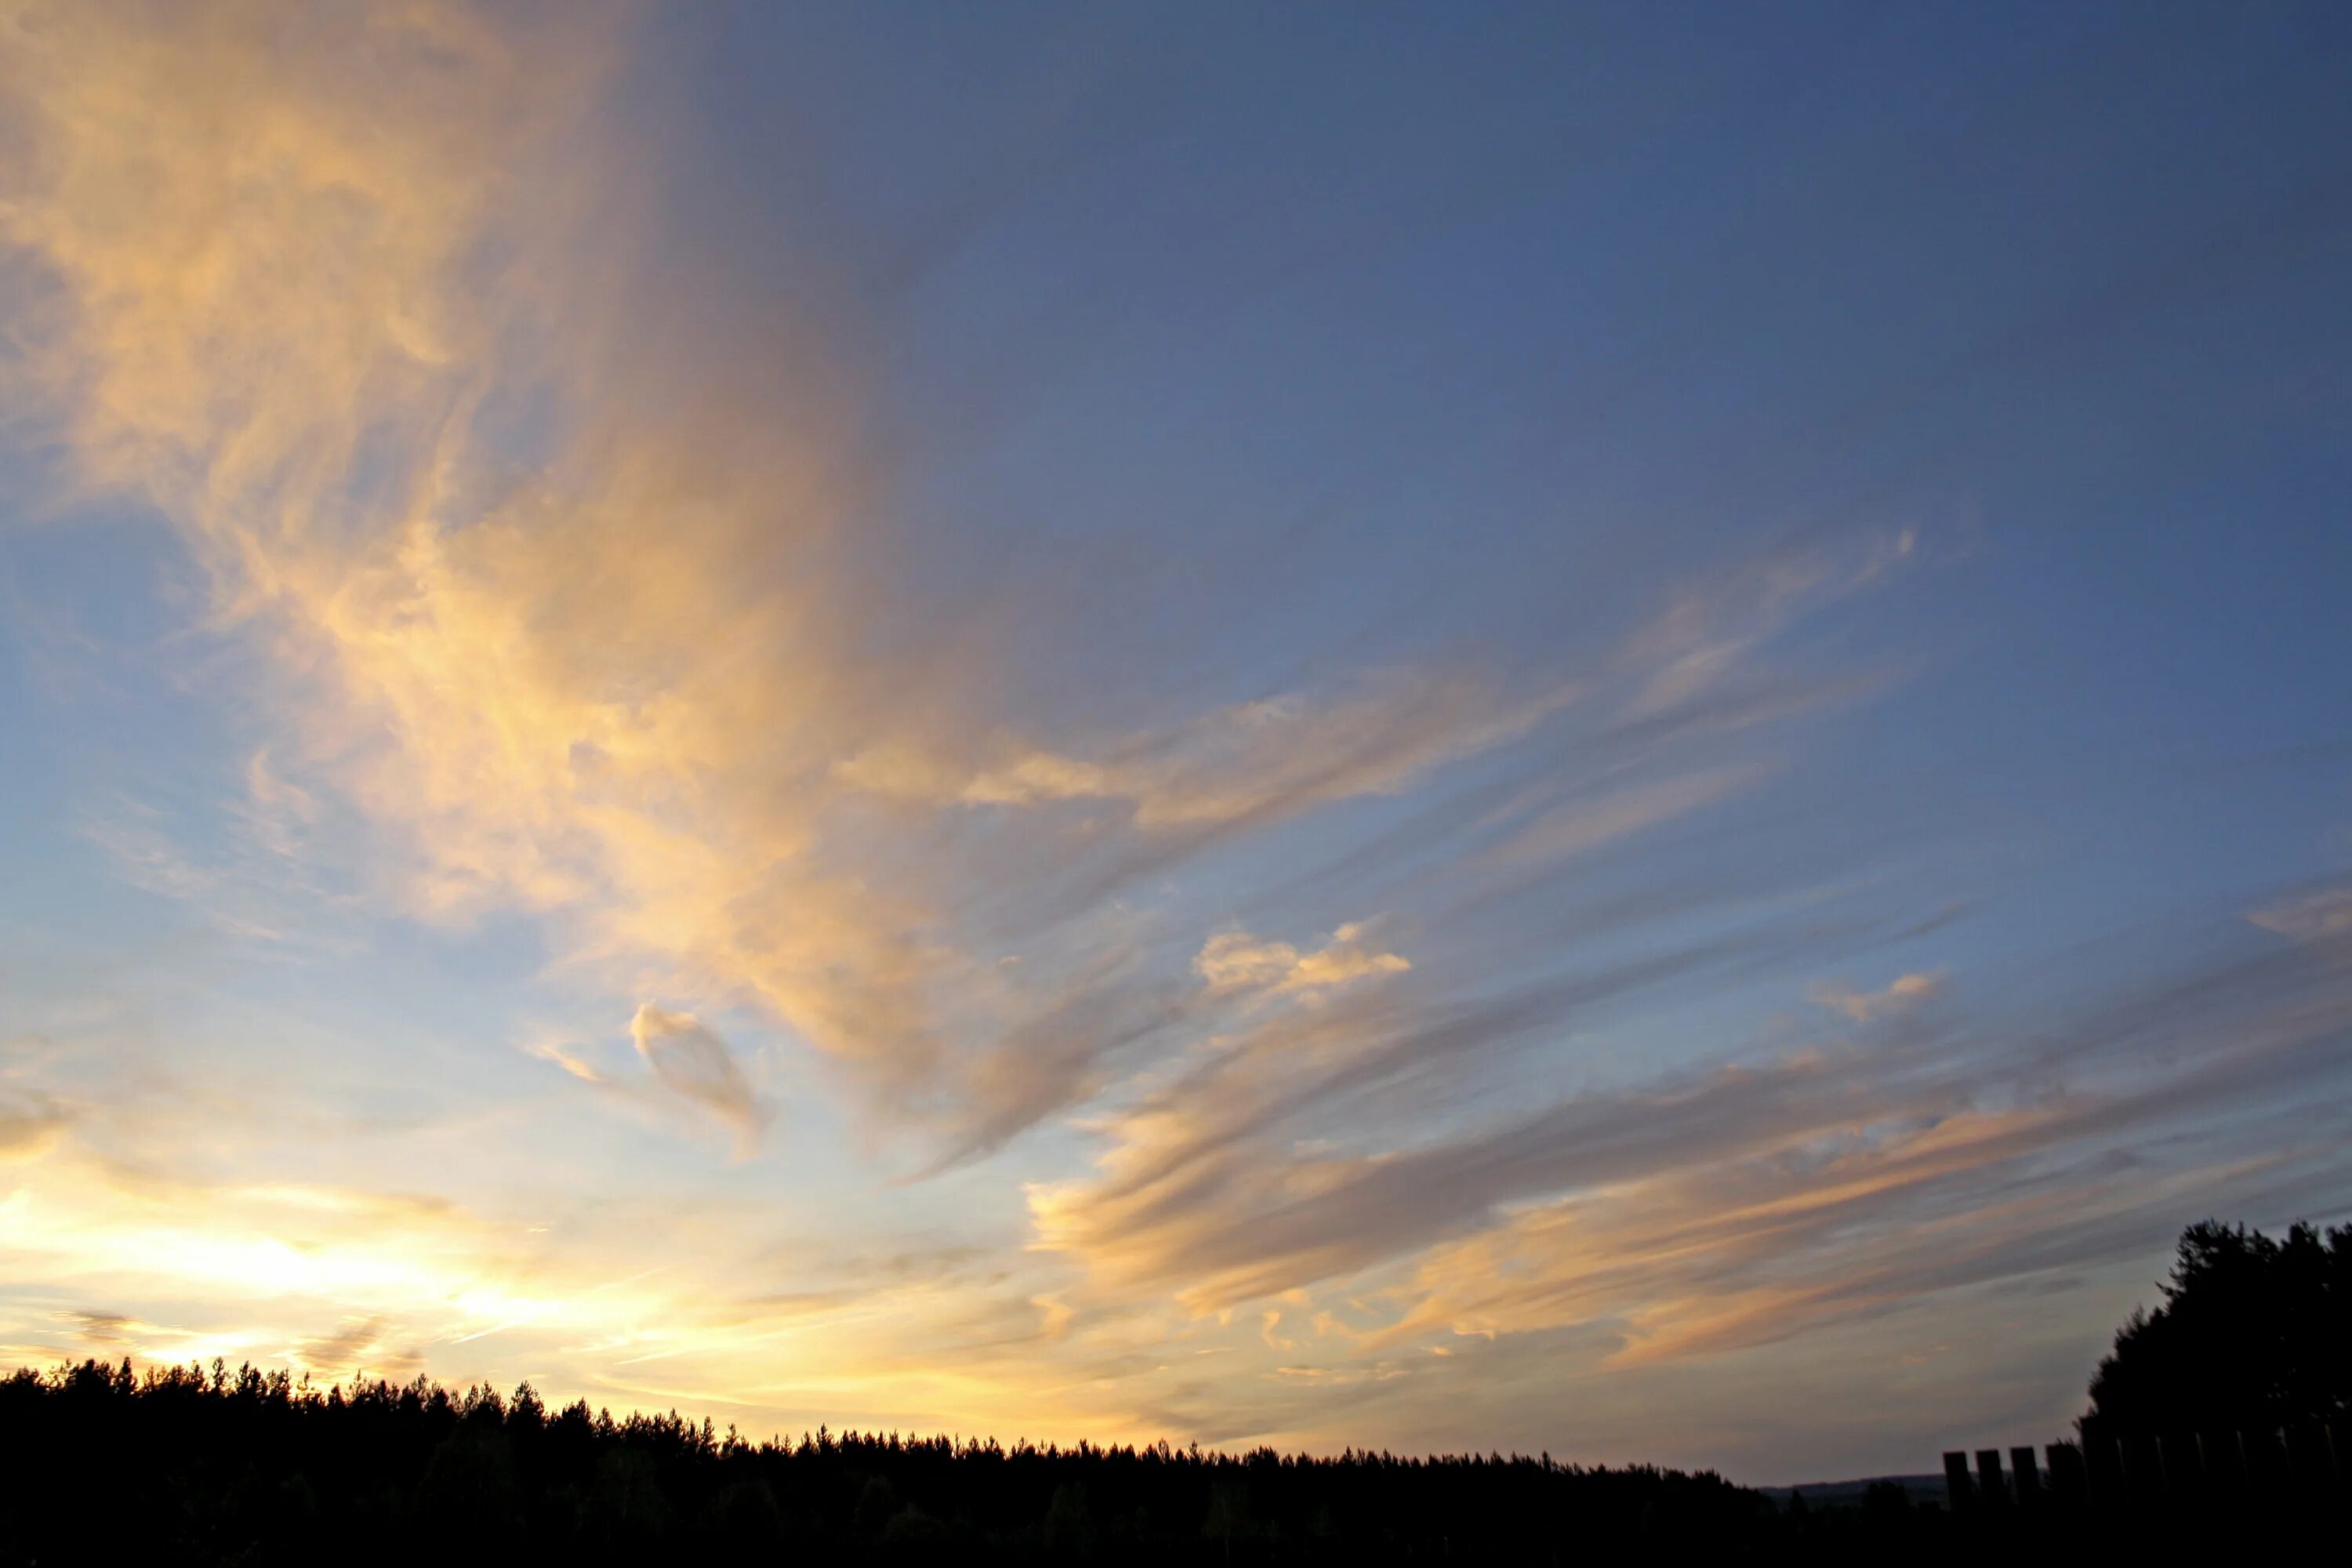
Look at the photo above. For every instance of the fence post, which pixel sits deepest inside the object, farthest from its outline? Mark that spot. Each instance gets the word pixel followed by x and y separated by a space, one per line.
pixel 2223 1486
pixel 2103 1463
pixel 2027 1475
pixel 2070 1479
pixel 1989 1477
pixel 2184 1470
pixel 1958 1490
pixel 2266 1473
pixel 2310 1463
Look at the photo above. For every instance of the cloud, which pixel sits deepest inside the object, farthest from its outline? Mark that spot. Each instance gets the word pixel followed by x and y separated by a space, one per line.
pixel 1709 1210
pixel 568 605
pixel 1235 960
pixel 103 1328
pixel 1054 1317
pixel 1902 993
pixel 559 598
pixel 1293 1104
pixel 30 1125
pixel 691 1061
pixel 295 353
pixel 1690 665
pixel 721 1302
pixel 1578 825
pixel 147 858
pixel 2320 919
pixel 1249 762
pixel 1224 1226
pixel 565 603
pixel 279 815
pixel 565 1055
pixel 260 887
pixel 358 1349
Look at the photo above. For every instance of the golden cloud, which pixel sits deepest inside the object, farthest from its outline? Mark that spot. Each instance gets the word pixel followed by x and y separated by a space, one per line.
pixel 1235 960
pixel 556 600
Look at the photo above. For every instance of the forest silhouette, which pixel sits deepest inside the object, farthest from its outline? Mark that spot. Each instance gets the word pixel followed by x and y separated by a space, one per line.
pixel 219 1465
pixel 2253 1335
pixel 196 1464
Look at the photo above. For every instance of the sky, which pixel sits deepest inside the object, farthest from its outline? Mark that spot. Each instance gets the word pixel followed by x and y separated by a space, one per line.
pixel 1619 730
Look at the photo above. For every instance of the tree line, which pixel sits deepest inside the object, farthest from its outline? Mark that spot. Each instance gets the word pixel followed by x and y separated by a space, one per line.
pixel 2252 1334
pixel 215 1465
pixel 209 1465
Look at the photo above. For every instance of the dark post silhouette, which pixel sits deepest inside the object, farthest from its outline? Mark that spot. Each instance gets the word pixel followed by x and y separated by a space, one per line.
pixel 2104 1458
pixel 2027 1475
pixel 1989 1477
pixel 2070 1482
pixel 2266 1471
pixel 2310 1465
pixel 1958 1490
pixel 2184 1477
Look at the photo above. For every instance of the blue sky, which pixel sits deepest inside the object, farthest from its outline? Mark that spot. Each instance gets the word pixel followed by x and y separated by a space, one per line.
pixel 1615 730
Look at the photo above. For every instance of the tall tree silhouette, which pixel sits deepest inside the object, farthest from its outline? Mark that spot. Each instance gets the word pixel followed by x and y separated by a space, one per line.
pixel 2252 1334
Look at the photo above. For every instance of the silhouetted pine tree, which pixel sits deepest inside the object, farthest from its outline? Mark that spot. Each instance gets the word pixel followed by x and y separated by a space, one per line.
pixel 2252 1334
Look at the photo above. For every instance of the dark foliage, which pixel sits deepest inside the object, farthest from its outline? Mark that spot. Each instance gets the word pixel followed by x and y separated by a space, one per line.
pixel 2253 1335
pixel 101 1464
pixel 192 1465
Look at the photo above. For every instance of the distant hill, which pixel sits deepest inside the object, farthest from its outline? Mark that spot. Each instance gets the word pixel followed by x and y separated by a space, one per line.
pixel 1924 1491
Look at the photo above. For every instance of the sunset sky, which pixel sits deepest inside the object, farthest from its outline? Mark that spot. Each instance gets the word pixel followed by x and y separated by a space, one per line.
pixel 1615 729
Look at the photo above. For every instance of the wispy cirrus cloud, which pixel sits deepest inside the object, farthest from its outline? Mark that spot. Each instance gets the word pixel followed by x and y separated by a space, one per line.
pixel 1249 764
pixel 31 1124
pixel 2323 917
pixel 1902 992
pixel 604 665
pixel 1709 1211
pixel 1694 663
pixel 1575 826
pixel 1235 960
